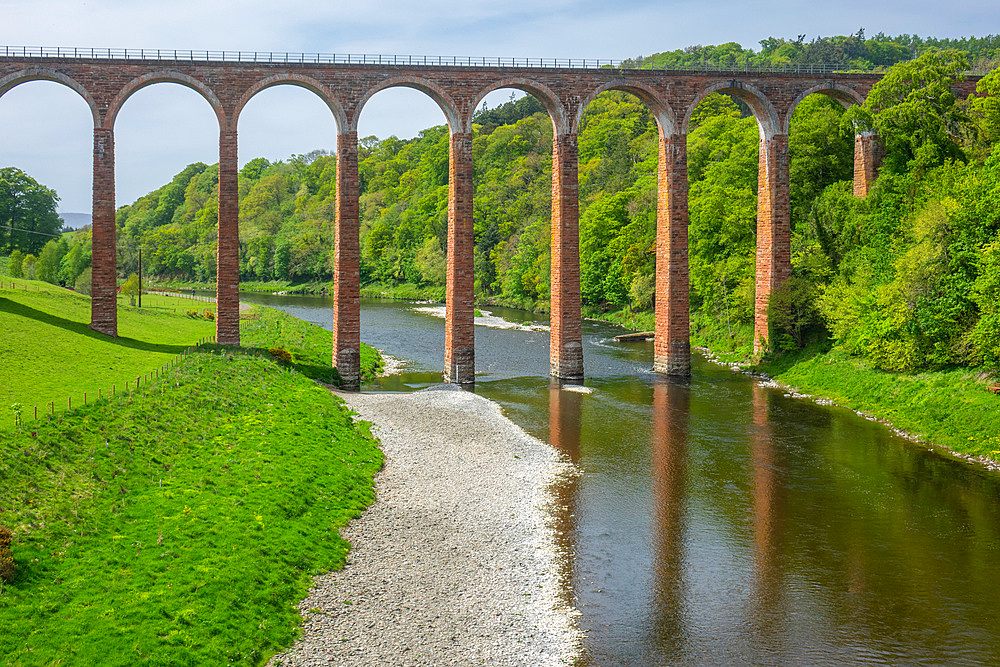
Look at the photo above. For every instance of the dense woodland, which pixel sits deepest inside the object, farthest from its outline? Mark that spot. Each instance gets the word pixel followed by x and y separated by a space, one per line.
pixel 907 277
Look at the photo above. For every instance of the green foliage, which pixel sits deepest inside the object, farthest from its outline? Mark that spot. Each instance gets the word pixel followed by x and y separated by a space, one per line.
pixel 897 277
pixel 49 261
pixel 27 212
pixel 131 288
pixel 82 284
pixel 15 265
pixel 853 52
pixel 179 524
pixel 28 267
pixel 915 112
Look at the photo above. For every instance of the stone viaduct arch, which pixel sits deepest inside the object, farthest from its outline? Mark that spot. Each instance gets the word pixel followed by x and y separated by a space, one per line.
pixel 106 82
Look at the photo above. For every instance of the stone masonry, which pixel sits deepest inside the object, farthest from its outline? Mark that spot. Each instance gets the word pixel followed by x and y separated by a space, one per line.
pixel 346 265
pixel 671 346
pixel 566 335
pixel 106 83
pixel 459 333
pixel 774 253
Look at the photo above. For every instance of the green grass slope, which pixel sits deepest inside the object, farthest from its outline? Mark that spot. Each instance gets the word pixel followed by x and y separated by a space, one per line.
pixel 180 524
pixel 49 353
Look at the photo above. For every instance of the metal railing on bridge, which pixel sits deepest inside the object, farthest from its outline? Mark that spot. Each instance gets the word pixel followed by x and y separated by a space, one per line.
pixel 175 55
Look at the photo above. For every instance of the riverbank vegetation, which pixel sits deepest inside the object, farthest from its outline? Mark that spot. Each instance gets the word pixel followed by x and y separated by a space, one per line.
pixel 903 280
pixel 177 522
pixel 945 407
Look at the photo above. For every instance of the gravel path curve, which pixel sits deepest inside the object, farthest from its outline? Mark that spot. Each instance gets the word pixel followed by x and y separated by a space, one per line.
pixel 454 563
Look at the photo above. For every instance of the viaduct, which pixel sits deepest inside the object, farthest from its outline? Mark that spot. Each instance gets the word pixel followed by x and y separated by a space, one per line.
pixel 228 81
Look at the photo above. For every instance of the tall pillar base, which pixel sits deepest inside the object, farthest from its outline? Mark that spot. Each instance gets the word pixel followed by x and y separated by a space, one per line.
pixel 568 365
pixel 349 367
pixel 460 367
pixel 676 362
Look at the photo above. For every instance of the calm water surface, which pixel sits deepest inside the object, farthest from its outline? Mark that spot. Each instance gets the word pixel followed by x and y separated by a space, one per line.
pixel 719 522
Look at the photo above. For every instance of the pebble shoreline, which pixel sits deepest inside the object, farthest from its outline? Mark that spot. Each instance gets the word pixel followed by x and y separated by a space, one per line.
pixel 455 562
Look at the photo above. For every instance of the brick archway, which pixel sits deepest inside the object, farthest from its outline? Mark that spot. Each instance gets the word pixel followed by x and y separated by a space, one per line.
pixel 165 76
pixel 664 115
pixel 320 90
pixel 107 79
pixel 30 74
pixel 763 110
pixel 436 92
pixel 546 96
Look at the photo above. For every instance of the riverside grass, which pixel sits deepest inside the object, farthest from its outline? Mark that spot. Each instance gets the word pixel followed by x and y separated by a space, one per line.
pixel 51 354
pixel 310 346
pixel 179 525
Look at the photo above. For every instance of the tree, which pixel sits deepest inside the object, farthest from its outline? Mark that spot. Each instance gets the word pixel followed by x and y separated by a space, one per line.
pixel 29 266
pixel 82 284
pixel 131 288
pixel 915 112
pixel 50 259
pixel 27 212
pixel 15 266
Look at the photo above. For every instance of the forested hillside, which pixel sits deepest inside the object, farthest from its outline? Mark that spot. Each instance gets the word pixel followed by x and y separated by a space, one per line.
pixel 908 277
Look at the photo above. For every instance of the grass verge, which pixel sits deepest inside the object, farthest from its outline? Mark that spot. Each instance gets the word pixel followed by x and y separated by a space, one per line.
pixel 181 524
pixel 309 346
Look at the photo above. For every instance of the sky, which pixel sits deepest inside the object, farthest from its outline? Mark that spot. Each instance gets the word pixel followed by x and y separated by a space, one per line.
pixel 46 129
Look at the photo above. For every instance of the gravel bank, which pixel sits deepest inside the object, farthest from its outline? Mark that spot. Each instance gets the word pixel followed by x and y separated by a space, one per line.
pixel 454 563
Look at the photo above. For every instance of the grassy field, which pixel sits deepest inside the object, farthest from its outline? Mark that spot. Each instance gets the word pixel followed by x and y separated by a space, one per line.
pixel 49 353
pixel 52 354
pixel 180 524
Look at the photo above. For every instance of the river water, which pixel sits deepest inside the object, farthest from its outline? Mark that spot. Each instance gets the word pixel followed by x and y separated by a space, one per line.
pixel 720 522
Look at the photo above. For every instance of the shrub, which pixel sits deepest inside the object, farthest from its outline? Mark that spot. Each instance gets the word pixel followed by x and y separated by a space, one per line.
pixel 281 354
pixel 83 282
pixel 7 565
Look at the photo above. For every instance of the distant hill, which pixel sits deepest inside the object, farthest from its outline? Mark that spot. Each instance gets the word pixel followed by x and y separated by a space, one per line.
pixel 76 220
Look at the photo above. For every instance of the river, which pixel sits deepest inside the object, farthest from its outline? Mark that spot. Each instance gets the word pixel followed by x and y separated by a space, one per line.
pixel 720 522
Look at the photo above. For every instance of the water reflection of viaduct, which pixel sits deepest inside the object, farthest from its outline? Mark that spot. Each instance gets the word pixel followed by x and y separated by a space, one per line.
pixel 106 84
pixel 670 425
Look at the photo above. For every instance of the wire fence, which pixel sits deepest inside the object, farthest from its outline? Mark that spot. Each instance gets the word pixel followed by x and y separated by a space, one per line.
pixel 262 57
pixel 23 414
pixel 127 387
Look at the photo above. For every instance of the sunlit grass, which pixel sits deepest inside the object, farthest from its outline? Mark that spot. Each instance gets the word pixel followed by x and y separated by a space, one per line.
pixel 50 353
pixel 178 525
